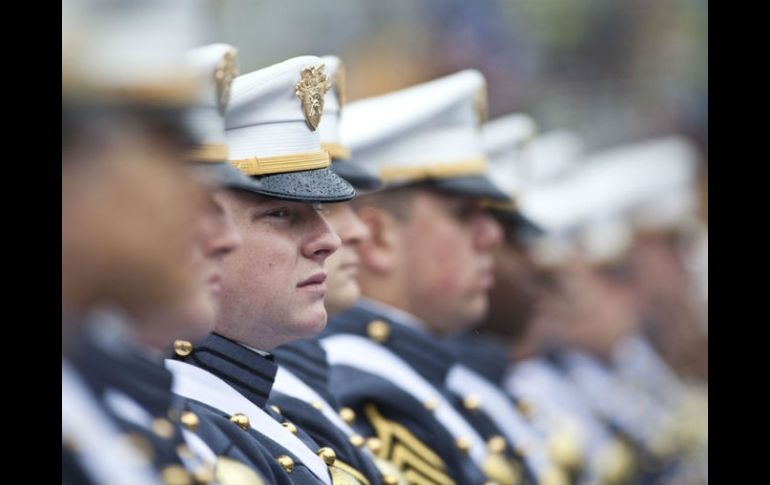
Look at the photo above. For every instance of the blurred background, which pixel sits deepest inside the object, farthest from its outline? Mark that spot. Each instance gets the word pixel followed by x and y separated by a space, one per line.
pixel 612 71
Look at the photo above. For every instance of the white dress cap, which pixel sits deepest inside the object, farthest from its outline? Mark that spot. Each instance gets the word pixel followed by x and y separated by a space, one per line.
pixel 217 66
pixel 652 181
pixel 550 155
pixel 342 162
pixel 424 132
pixel 273 118
pixel 133 51
pixel 272 132
pixel 504 141
pixel 333 102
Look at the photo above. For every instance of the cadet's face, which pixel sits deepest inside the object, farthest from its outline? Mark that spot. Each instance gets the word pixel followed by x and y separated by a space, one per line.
pixel 514 296
pixel 342 266
pixel 274 284
pixel 660 271
pixel 601 310
pixel 126 232
pixel 217 237
pixel 447 248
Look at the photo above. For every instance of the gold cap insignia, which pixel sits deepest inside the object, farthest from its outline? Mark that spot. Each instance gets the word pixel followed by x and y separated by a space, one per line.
pixel 226 71
pixel 310 90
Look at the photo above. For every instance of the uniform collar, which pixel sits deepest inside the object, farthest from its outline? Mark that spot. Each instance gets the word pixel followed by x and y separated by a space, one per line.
pixel 413 344
pixel 108 361
pixel 306 359
pixel 248 370
pixel 482 353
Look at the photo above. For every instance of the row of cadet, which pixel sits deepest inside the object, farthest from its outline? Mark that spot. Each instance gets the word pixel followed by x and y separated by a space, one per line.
pixel 262 283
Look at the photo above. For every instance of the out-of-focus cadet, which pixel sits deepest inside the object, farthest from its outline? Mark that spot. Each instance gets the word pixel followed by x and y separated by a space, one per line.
pixel 301 390
pixel 130 209
pixel 425 272
pixel 273 287
pixel 666 227
pixel 519 161
pixel 602 306
pixel 662 212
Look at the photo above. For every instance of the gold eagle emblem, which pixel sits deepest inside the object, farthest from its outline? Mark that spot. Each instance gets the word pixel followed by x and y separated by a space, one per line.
pixel 310 90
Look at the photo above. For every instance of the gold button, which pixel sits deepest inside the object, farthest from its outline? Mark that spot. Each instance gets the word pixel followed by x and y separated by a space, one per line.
pixel 182 348
pixel 526 408
pixel 233 472
pixel 499 469
pixel 175 475
pixel 463 444
pixel 471 402
pixel 348 415
pixel 286 462
pixel 142 445
pixel 496 444
pixel 565 450
pixel 289 426
pixel 317 404
pixel 189 420
pixel 275 408
pixel 327 455
pixel 389 480
pixel 374 444
pixel 554 476
pixel 615 462
pixel 357 440
pixel 431 404
pixel 163 427
pixel 184 451
pixel 241 420
pixel 378 331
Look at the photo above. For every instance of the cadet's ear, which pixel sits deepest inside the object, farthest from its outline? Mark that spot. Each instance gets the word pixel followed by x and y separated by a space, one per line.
pixel 379 253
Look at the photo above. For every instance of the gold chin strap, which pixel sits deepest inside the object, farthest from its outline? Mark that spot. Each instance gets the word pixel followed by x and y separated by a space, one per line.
pixel 210 152
pixel 473 166
pixel 170 91
pixel 282 163
pixel 336 151
pixel 510 205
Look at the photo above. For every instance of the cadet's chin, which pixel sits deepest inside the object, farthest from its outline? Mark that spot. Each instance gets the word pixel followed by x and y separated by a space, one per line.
pixel 312 322
pixel 474 313
pixel 342 297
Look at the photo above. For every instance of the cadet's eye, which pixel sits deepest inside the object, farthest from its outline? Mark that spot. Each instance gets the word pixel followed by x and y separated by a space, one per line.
pixel 281 213
pixel 464 211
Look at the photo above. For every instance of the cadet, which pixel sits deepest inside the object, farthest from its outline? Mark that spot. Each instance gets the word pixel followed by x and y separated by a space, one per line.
pixel 116 327
pixel 301 384
pixel 273 287
pixel 425 273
